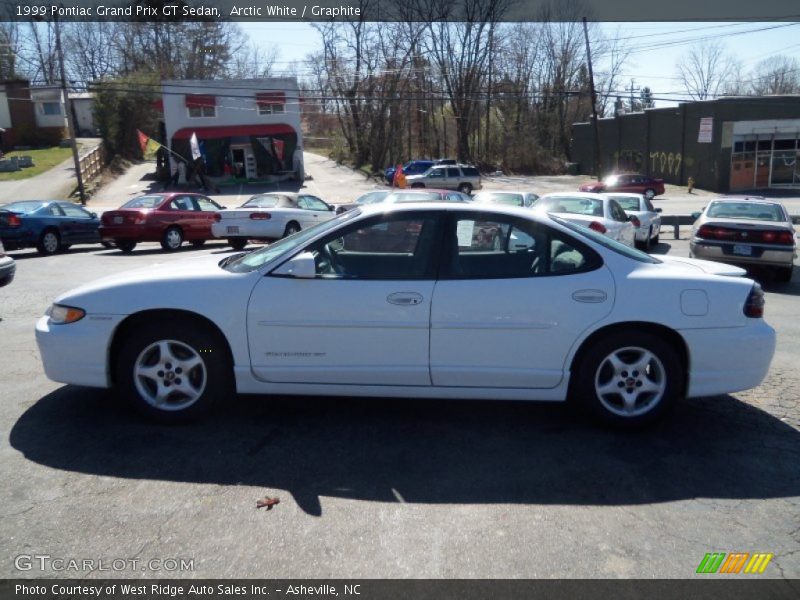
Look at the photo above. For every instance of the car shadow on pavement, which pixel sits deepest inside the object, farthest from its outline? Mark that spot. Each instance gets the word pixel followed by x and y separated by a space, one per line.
pixel 27 253
pixel 423 451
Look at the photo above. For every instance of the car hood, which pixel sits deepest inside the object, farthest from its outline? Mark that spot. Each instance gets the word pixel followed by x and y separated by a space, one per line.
pixel 196 269
pixel 706 266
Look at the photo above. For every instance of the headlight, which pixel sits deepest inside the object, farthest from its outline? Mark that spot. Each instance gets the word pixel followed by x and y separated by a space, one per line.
pixel 61 315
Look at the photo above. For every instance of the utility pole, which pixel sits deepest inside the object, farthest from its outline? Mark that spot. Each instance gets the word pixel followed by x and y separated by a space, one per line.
pixel 597 159
pixel 68 110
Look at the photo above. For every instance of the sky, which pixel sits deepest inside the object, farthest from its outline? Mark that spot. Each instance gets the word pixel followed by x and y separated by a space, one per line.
pixel 655 47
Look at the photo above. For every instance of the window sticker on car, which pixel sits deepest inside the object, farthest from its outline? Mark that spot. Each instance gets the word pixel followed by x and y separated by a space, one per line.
pixel 464 233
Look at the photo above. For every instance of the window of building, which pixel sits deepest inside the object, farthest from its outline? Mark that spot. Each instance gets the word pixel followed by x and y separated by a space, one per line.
pixel 270 109
pixel 202 111
pixel 51 108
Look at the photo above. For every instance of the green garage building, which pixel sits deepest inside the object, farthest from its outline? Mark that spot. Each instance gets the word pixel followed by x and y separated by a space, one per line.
pixel 727 145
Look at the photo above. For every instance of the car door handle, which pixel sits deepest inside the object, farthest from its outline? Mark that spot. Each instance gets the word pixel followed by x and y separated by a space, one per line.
pixel 404 298
pixel 590 296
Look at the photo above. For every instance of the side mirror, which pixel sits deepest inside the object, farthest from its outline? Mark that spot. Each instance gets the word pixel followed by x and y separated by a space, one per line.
pixel 94 215
pixel 696 215
pixel 659 209
pixel 331 208
pixel 223 207
pixel 301 266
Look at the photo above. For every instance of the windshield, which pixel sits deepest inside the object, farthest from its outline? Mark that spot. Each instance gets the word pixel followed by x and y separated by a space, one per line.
pixel 499 198
pixel 144 202
pixel 372 197
pixel 626 202
pixel 753 211
pixel 255 260
pixel 607 242
pixel 574 205
pixel 23 207
pixel 262 202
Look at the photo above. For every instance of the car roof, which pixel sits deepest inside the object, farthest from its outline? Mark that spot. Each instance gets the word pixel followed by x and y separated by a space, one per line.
pixel 276 193
pixel 622 195
pixel 754 199
pixel 371 209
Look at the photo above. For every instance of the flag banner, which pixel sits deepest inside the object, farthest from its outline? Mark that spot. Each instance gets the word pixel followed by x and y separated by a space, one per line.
pixel 195 145
pixel 148 145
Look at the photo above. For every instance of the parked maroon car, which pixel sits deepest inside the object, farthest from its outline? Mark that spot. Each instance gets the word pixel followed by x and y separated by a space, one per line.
pixel 627 182
pixel 169 218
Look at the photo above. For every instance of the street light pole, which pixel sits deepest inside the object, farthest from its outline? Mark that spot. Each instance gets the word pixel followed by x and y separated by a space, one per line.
pixel 68 109
pixel 597 158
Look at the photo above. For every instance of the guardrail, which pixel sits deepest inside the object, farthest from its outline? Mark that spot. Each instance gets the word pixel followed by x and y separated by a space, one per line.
pixel 92 163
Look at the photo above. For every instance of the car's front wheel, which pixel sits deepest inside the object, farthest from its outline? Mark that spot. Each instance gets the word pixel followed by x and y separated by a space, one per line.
pixel 172 239
pixel 649 193
pixel 173 371
pixel 291 229
pixel 628 379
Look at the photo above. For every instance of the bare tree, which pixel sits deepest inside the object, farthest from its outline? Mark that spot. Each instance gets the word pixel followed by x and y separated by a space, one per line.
pixel 9 49
pixel 253 62
pixel 705 69
pixel 89 53
pixel 776 75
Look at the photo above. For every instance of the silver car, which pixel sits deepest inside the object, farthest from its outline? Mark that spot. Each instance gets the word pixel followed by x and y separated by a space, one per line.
pixel 525 199
pixel 463 178
pixel 639 206
pixel 746 231
pixel 7 267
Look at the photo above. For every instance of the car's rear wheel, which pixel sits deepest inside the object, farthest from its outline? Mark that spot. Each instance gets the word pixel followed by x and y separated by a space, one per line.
pixel 656 237
pixel 172 239
pixel 628 379
pixel 49 242
pixel 465 188
pixel 237 243
pixel 125 245
pixel 173 371
pixel 291 228
pixel 784 274
pixel 649 193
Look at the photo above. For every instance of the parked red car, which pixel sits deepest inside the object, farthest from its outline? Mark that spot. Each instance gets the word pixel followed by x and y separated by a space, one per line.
pixel 169 218
pixel 627 182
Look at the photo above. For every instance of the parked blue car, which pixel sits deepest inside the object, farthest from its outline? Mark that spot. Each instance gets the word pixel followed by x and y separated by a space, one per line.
pixel 412 167
pixel 49 226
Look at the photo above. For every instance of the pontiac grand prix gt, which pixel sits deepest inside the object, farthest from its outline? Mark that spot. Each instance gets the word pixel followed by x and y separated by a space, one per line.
pixel 437 300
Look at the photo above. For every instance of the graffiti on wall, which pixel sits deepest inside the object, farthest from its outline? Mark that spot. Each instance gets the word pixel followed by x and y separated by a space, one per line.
pixel 664 163
pixel 629 160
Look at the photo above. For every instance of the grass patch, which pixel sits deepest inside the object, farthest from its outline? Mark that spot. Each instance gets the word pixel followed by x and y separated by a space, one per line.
pixel 43 160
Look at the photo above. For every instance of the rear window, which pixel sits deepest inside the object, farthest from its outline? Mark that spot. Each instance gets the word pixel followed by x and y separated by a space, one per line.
pixel 500 198
pixel 752 211
pixel 23 207
pixel 372 197
pixel 470 172
pixel 414 197
pixel 573 205
pixel 263 202
pixel 144 202
pixel 627 203
pixel 607 242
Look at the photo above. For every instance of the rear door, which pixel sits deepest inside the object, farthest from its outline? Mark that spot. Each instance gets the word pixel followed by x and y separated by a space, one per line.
pixel 184 213
pixel 618 223
pixel 453 177
pixel 206 214
pixel 512 299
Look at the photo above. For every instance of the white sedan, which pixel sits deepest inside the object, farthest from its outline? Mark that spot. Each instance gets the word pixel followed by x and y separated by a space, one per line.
pixel 637 205
pixel 595 211
pixel 270 216
pixel 437 300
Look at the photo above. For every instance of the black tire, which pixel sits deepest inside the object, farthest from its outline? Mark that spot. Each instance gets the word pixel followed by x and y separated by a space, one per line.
pixel 211 378
pixel 417 185
pixel 649 193
pixel 465 188
pixel 198 243
pixel 594 370
pixel 291 228
pixel 49 242
pixel 64 247
pixel 655 239
pixel 648 242
pixel 237 243
pixel 784 274
pixel 125 245
pixel 172 239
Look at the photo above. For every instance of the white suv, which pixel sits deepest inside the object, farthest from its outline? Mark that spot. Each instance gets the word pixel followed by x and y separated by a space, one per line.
pixel 463 178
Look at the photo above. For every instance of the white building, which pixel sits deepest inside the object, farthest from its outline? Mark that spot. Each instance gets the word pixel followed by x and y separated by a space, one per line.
pixel 249 127
pixel 48 106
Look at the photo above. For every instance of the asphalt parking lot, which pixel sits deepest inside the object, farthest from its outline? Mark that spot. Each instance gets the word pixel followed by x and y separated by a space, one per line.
pixel 385 488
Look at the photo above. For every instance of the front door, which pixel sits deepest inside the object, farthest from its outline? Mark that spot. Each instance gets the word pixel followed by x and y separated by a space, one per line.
pixel 363 319
pixel 513 298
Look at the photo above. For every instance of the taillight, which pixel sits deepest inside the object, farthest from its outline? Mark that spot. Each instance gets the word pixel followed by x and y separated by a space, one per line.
pixel 752 236
pixel 597 226
pixel 785 237
pixel 754 305
pixel 636 222
pixel 260 216
pixel 217 217
pixel 14 220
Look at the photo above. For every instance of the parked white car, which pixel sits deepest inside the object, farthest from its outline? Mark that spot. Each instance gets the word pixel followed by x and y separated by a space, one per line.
pixel 526 199
pixel 595 211
pixel 270 216
pixel 637 205
pixel 418 300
